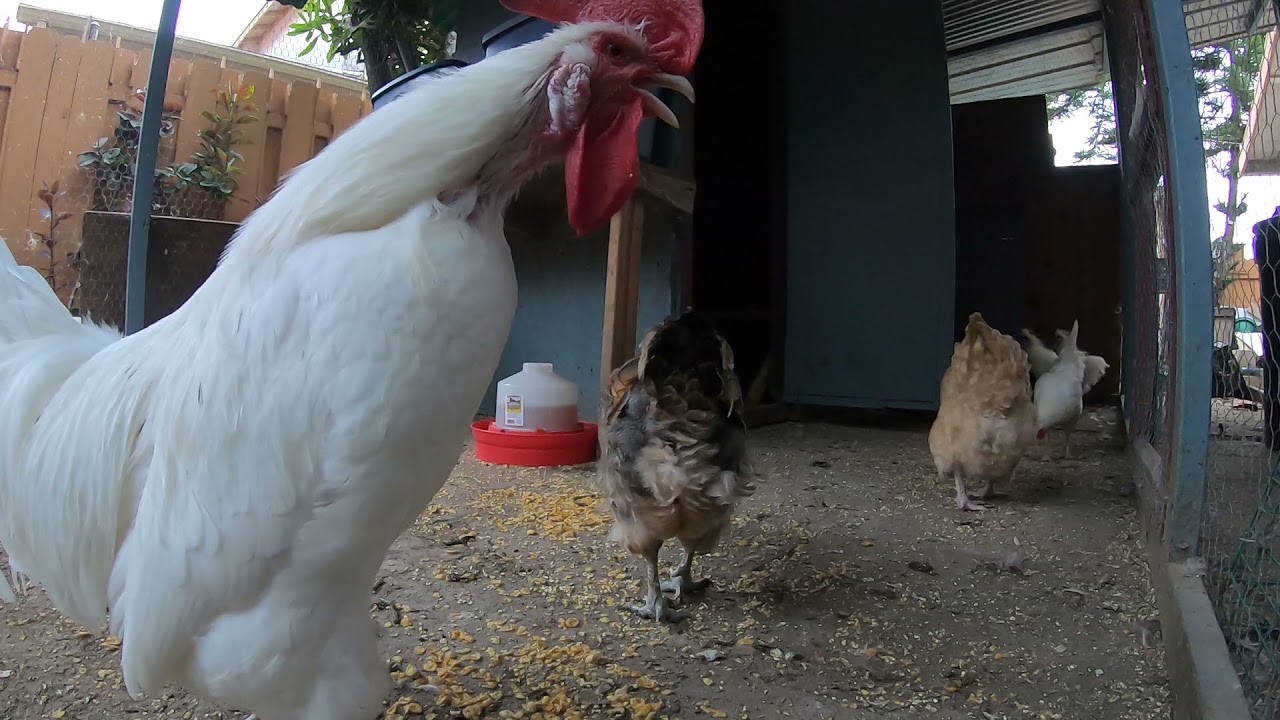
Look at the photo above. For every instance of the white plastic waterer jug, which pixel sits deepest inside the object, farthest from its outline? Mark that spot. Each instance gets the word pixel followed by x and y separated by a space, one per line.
pixel 536 398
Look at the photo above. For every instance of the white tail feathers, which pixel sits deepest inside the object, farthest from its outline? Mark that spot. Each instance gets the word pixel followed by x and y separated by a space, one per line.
pixel 31 309
pixel 41 345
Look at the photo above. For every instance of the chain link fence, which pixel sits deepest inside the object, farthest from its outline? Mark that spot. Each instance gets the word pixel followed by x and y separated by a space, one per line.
pixel 198 186
pixel 1150 300
pixel 1233 57
pixel 277 42
pixel 1234 62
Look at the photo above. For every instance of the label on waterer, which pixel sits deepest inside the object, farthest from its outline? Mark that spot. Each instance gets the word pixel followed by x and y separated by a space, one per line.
pixel 515 411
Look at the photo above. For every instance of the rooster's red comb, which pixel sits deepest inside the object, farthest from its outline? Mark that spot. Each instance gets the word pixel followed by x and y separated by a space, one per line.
pixel 673 27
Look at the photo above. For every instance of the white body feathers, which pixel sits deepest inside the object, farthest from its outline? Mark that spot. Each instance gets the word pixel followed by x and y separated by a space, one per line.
pixel 1059 392
pixel 227 482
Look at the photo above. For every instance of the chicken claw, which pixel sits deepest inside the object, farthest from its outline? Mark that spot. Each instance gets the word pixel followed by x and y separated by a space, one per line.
pixel 962 498
pixel 682 582
pixel 656 605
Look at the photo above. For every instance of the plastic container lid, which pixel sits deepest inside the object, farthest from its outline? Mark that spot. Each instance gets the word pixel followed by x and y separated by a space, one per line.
pixel 409 80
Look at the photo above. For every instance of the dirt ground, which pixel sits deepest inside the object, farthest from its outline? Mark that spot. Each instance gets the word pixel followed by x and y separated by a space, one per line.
pixel 850 588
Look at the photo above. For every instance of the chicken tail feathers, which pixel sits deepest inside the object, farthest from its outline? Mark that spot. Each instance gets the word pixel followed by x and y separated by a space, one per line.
pixel 41 346
pixel 984 356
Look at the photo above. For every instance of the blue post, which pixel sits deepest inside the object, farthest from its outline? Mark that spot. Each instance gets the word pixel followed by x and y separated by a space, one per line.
pixel 144 173
pixel 1187 197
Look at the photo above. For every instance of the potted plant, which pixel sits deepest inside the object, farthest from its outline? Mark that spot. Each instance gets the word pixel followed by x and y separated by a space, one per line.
pixel 394 39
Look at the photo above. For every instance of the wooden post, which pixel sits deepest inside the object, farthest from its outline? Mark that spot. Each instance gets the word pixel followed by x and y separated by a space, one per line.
pixel 622 287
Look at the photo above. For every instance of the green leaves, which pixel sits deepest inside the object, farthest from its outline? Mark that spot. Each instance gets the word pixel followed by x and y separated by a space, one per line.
pixel 392 38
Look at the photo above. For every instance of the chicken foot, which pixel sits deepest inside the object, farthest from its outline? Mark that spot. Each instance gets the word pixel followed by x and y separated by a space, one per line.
pixel 962 497
pixel 682 582
pixel 656 606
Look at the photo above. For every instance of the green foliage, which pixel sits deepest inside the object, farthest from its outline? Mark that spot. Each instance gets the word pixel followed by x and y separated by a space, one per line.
pixel 216 164
pixel 392 37
pixel 47 239
pixel 212 168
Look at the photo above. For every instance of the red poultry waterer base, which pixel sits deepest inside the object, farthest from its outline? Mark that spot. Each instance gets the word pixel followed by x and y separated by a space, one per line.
pixel 534 449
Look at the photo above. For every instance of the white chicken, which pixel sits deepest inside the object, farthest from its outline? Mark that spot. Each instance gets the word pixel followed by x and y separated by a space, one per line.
pixel 1042 358
pixel 226 483
pixel 1059 392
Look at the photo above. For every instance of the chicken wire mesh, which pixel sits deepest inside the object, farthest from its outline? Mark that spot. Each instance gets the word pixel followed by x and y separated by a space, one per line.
pixel 1141 135
pixel 277 42
pixel 88 251
pixel 1233 58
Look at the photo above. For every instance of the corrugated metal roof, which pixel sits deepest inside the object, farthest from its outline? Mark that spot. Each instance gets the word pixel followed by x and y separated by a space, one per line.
pixel 1214 21
pixel 1013 48
pixel 976 22
pixel 1043 65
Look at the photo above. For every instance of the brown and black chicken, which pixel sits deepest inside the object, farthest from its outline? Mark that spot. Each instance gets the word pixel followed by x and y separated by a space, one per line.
pixel 673 453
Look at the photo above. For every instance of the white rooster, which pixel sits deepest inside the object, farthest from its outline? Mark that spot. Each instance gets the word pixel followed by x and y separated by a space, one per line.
pixel 227 482
pixel 1042 359
pixel 1059 390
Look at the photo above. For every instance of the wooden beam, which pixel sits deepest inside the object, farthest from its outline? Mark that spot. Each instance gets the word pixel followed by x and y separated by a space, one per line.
pixel 622 287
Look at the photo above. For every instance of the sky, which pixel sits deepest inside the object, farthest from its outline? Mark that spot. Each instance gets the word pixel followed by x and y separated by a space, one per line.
pixel 217 21
pixel 221 21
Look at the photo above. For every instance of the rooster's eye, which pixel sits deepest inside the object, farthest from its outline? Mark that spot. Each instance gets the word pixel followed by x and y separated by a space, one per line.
pixel 614 50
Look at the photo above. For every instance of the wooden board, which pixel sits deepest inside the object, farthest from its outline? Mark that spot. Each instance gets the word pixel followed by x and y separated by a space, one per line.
pixel 347 109
pixel 202 88
pixel 88 122
pixel 253 149
pixel 298 139
pixel 622 287
pixel 271 148
pixel 122 74
pixel 10 44
pixel 174 97
pixel 141 69
pixel 53 128
pixel 22 133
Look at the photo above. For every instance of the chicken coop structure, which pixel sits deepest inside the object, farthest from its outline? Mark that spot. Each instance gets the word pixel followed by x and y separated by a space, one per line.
pixel 847 220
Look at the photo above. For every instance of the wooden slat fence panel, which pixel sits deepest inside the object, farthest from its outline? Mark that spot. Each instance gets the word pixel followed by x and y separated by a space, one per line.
pixel 59 94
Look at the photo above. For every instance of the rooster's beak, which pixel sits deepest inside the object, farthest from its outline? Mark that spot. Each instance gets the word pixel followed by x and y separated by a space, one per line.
pixel 655 107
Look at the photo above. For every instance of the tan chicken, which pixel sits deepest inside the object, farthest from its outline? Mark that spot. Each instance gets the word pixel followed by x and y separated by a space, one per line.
pixel 673 459
pixel 986 420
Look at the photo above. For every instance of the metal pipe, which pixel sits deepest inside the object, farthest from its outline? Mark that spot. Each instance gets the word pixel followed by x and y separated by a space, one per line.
pixel 94 28
pixel 1189 406
pixel 144 172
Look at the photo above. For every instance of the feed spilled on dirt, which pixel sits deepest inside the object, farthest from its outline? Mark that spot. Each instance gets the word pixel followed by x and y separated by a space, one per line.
pixel 848 587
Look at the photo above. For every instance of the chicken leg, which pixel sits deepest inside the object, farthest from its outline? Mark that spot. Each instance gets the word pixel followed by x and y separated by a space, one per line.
pixel 1066 442
pixel 656 606
pixel 681 582
pixel 962 497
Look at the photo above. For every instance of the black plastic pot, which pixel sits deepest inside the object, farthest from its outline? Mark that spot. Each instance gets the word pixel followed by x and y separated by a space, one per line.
pixel 515 32
pixel 410 80
pixel 653 137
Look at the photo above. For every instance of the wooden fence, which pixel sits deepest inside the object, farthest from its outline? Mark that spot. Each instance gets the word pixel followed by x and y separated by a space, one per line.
pixel 59 94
